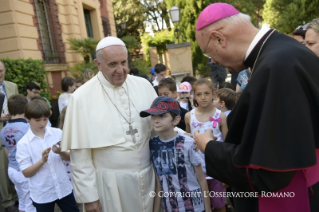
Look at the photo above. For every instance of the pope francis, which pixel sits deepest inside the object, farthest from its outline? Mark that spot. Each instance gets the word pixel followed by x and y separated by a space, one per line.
pixel 107 139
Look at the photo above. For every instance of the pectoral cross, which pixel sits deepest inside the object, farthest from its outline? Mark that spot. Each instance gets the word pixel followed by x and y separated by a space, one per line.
pixel 132 132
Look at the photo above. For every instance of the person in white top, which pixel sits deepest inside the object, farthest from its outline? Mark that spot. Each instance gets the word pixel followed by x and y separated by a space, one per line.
pixel 160 72
pixel 107 139
pixel 225 100
pixel 68 87
pixel 40 159
pixel 205 116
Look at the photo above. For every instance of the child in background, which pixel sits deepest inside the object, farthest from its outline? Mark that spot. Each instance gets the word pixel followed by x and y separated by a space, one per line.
pixel 177 164
pixel 226 85
pixel 160 72
pixel 48 181
pixel 185 99
pixel 10 135
pixel 167 87
pixel 68 87
pixel 206 116
pixel 225 100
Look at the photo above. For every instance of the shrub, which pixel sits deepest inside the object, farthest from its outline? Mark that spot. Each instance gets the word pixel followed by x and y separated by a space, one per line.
pixel 22 71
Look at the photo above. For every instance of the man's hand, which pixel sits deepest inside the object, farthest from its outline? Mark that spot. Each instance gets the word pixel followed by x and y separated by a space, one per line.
pixel 93 206
pixel 202 139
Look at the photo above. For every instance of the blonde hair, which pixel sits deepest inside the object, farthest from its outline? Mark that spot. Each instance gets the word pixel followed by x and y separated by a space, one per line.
pixel 87 75
pixel 314 24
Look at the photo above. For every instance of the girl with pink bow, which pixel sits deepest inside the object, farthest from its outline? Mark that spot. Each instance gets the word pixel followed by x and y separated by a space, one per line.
pixel 207 117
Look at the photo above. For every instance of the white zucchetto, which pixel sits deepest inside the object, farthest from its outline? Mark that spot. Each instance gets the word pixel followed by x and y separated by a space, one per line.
pixel 109 41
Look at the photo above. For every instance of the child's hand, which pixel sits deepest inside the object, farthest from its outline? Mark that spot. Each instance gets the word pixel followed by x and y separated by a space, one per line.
pixel 45 155
pixel 56 148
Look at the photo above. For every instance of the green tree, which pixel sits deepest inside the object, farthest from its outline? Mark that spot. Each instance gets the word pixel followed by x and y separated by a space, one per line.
pixel 139 13
pixel 85 47
pixel 159 40
pixel 286 15
pixel 131 12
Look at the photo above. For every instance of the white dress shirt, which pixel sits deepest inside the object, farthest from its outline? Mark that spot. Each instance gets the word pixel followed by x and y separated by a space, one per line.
pixel 51 182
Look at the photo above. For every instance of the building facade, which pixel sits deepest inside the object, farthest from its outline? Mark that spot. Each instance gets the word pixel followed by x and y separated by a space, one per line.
pixel 39 29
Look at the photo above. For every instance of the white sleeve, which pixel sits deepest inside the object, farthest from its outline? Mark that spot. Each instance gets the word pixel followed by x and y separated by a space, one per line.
pixel 23 156
pixel 83 173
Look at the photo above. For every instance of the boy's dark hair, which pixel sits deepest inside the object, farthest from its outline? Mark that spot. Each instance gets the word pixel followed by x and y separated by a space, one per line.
pixel 189 79
pixel 16 104
pixel 201 82
pixel 160 68
pixel 32 85
pixel 36 109
pixel 168 83
pixel 228 96
pixel 79 80
pixel 134 71
pixel 226 85
pixel 66 82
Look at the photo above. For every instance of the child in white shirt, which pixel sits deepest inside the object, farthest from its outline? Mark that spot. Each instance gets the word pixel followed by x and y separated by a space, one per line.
pixel 48 182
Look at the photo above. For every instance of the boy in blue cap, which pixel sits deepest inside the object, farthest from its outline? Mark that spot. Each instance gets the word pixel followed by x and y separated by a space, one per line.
pixel 180 179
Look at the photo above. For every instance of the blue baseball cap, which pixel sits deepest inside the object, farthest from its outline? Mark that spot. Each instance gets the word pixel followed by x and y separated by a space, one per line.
pixel 153 70
pixel 161 105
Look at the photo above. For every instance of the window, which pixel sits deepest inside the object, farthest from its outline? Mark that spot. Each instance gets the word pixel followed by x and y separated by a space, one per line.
pixel 49 31
pixel 88 23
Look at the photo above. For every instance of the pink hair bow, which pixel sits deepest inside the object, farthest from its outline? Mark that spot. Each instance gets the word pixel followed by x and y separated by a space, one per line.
pixel 215 121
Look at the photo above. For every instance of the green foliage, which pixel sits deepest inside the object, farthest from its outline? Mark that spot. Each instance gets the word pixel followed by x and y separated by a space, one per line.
pixel 139 13
pixel 131 12
pixel 79 68
pixel 85 47
pixel 286 15
pixel 143 66
pixel 131 43
pixel 159 40
pixel 23 71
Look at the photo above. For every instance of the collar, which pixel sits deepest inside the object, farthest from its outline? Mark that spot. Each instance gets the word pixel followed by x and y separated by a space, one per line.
pixel 17 120
pixel 264 29
pixel 31 135
pixel 250 60
pixel 102 79
pixel 2 83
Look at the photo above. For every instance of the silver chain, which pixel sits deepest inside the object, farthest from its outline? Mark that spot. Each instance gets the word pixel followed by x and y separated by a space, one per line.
pixel 129 106
pixel 260 50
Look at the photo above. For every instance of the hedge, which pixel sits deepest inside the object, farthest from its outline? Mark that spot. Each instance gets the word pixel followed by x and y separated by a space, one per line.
pixel 23 71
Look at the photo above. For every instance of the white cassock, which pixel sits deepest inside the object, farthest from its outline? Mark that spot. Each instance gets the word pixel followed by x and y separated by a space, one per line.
pixel 105 163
